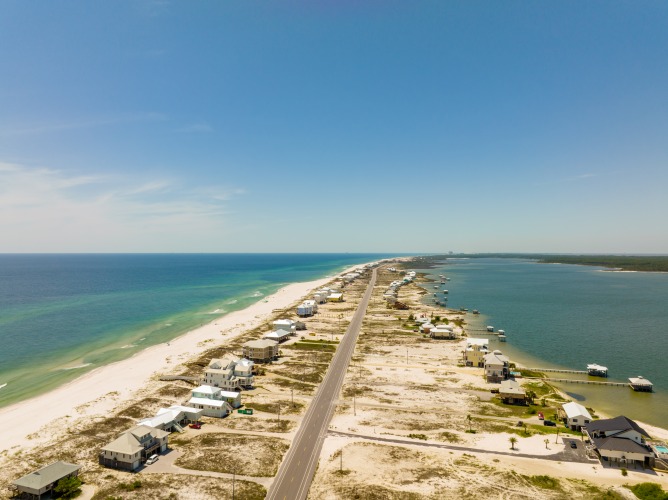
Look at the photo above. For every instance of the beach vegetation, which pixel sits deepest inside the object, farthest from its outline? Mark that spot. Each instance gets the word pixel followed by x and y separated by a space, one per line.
pixel 68 487
pixel 513 442
pixel 423 437
pixel 648 491
pixel 543 481
pixel 624 471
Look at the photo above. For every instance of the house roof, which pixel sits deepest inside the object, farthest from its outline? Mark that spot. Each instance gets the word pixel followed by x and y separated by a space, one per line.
pixel 511 387
pixel 208 402
pixel 125 443
pixel 495 358
pixel 260 344
pixel 46 475
pixel 620 423
pixel 620 444
pixel 229 394
pixel 574 409
pixel 207 389
pixel 163 418
pixel 480 342
pixel 142 430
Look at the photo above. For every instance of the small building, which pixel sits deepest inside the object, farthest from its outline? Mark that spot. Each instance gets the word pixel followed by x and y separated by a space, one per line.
pixel 173 418
pixel 640 384
pixel 304 309
pixel 442 332
pixel 496 366
pixel 620 440
pixel 216 408
pixel 577 415
pixel 475 351
pixel 335 297
pixel 597 370
pixel 43 481
pixel 426 327
pixel 261 351
pixel 320 296
pixel 131 449
pixel 287 325
pixel 512 393
pixel 279 336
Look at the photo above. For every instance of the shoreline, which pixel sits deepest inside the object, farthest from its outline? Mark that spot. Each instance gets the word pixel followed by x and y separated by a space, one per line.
pixel 102 389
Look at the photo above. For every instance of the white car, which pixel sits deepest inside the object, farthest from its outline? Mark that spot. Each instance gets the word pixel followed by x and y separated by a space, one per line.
pixel 152 459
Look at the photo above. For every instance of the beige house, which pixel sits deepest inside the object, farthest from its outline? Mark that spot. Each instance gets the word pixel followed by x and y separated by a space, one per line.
pixel 475 351
pixel 131 449
pixel 496 366
pixel 512 393
pixel 261 350
pixel 43 481
pixel 230 373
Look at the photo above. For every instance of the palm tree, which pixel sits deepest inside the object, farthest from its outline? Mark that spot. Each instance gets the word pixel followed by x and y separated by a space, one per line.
pixel 512 440
pixel 546 443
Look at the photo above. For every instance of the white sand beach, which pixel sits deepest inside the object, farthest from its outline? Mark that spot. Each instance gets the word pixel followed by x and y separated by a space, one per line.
pixel 32 422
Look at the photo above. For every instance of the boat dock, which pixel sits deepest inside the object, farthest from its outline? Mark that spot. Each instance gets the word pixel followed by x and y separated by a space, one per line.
pixel 555 370
pixel 576 381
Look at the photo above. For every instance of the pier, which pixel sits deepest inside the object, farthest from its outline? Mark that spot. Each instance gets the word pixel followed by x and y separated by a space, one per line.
pixel 576 381
pixel 554 370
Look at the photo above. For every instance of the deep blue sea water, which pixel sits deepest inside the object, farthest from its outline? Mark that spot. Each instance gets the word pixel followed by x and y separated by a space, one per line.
pixel 62 315
pixel 567 316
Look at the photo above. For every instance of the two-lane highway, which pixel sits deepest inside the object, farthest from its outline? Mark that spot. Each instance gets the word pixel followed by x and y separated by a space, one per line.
pixel 296 472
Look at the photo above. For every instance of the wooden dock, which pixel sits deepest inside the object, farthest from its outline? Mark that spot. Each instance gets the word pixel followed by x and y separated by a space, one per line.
pixel 576 381
pixel 555 370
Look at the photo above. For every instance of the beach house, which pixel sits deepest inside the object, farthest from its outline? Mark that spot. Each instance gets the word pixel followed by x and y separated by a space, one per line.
pixel 335 297
pixel 576 415
pixel 475 351
pixel 243 370
pixel 512 393
pixel 620 440
pixel 173 418
pixel 307 308
pixel 211 401
pixel 442 332
pixel 230 373
pixel 287 325
pixel 496 366
pixel 131 449
pixel 279 336
pixel 43 481
pixel 261 351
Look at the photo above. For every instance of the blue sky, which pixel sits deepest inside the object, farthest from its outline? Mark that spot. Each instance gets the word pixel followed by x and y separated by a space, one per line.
pixel 328 125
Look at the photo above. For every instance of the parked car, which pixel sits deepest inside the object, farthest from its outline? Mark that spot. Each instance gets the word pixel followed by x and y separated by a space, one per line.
pixel 573 444
pixel 195 425
pixel 549 423
pixel 152 459
pixel 541 416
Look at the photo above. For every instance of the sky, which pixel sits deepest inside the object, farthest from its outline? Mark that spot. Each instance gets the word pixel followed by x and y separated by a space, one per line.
pixel 334 126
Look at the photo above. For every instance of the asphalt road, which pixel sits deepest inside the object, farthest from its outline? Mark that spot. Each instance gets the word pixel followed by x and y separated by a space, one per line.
pixel 294 477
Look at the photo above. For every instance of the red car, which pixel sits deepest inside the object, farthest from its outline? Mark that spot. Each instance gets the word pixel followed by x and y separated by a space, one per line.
pixel 541 416
pixel 195 425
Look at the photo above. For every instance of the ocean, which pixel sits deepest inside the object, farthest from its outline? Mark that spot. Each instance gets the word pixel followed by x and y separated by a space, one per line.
pixel 62 315
pixel 567 316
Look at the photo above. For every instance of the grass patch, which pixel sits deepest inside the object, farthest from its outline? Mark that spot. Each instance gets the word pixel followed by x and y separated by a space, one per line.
pixel 545 482
pixel 285 406
pixel 303 345
pixel 257 456
pixel 649 491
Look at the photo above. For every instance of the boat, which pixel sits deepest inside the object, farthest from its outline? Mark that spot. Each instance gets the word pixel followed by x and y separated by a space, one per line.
pixel 3 385
pixel 463 309
pixel 435 286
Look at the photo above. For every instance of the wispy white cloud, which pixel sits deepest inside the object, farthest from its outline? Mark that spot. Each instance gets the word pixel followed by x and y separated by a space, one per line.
pixel 44 209
pixel 84 123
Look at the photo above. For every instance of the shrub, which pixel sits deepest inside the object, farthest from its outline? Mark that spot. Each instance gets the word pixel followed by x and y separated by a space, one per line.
pixel 649 491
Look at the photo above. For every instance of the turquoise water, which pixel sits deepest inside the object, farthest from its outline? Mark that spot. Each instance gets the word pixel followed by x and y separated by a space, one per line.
pixel 567 316
pixel 63 315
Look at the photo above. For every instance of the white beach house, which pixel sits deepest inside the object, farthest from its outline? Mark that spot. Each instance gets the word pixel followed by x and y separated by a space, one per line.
pixel 287 325
pixel 213 401
pixel 577 415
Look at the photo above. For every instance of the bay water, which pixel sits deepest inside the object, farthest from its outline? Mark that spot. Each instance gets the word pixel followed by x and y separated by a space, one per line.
pixel 62 315
pixel 567 316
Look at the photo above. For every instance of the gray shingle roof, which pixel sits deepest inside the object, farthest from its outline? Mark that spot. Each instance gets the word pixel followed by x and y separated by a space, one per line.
pixel 620 423
pixel 46 475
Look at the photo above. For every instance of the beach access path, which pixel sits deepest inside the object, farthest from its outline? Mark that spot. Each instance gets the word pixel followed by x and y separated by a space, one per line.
pixel 295 474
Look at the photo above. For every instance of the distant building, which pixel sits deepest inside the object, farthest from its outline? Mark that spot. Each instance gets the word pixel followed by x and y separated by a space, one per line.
pixel 577 415
pixel 43 481
pixel 512 393
pixel 287 325
pixel 475 351
pixel 261 350
pixel 230 373
pixel 131 449
pixel 279 336
pixel 496 366
pixel 213 401
pixel 172 418
pixel 620 440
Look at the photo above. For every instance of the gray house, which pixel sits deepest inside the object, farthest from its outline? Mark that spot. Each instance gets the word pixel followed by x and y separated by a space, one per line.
pixel 41 483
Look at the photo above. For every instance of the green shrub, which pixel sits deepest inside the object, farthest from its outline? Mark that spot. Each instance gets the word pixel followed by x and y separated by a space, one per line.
pixel 649 491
